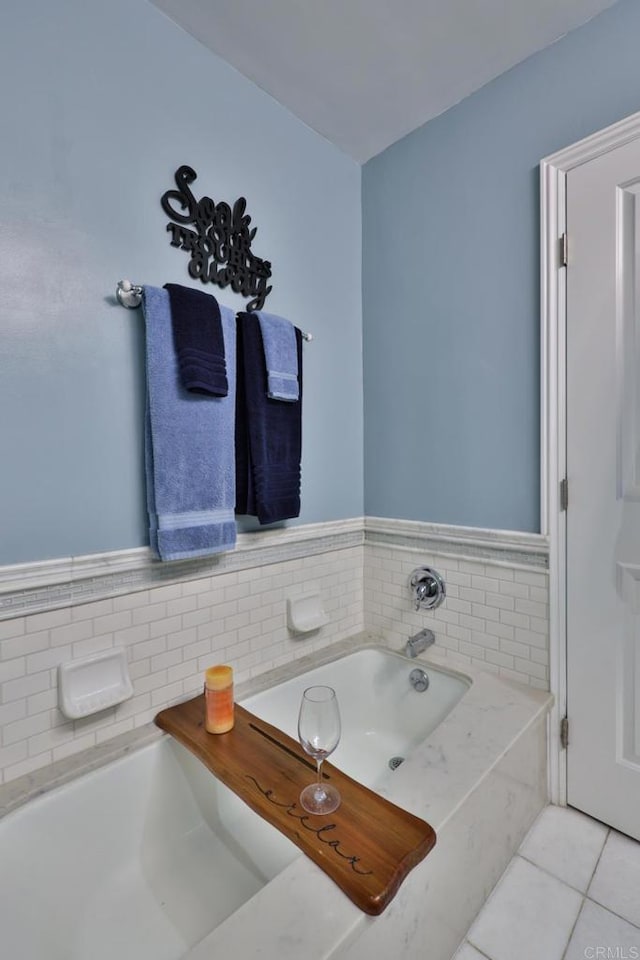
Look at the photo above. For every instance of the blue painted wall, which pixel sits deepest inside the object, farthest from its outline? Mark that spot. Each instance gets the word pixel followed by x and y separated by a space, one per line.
pixel 451 282
pixel 99 104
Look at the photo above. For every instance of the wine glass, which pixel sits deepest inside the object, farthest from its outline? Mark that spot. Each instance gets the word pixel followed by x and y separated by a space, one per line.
pixel 319 734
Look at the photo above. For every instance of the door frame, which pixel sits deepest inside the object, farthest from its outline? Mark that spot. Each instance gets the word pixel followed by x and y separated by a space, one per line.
pixel 553 410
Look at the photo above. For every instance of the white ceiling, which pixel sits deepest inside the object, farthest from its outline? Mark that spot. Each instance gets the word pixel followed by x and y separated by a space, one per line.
pixel 364 73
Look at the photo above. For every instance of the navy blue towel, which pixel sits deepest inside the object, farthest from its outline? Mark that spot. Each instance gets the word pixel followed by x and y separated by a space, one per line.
pixel 198 340
pixel 268 433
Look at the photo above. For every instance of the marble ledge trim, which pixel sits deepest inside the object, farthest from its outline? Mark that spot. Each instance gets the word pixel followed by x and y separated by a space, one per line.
pixel 506 547
pixel 48 585
pixel 16 793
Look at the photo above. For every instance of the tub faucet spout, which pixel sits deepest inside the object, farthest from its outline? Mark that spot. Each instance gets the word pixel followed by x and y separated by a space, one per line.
pixel 419 642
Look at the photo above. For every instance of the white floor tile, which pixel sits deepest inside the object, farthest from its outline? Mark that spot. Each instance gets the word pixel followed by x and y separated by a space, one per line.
pixel 467 952
pixel 529 916
pixel 566 843
pixel 616 883
pixel 599 933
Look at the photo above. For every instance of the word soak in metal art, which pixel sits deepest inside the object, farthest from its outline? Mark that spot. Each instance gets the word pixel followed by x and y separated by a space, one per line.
pixel 218 237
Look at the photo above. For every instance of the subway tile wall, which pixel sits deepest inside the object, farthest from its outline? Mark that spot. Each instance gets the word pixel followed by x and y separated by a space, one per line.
pixel 171 633
pixel 496 615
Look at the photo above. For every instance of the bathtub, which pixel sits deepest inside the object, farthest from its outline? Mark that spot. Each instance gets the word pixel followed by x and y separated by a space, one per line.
pixel 151 857
pixel 383 716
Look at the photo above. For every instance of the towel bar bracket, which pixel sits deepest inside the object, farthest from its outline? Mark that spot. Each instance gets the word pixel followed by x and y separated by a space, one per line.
pixel 129 294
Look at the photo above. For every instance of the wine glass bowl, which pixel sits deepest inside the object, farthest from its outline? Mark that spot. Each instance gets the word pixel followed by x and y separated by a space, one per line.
pixel 319 735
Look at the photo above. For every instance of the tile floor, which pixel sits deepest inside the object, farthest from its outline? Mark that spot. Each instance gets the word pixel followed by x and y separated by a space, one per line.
pixel 572 892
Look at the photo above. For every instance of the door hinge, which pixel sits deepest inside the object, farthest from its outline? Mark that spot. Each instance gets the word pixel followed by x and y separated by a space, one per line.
pixel 564 494
pixel 564 733
pixel 564 250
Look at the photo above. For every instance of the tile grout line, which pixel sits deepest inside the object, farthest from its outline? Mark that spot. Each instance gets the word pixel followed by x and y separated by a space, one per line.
pixel 473 946
pixel 583 897
pixel 597 902
pixel 486 902
pixel 575 924
pixel 597 864
pixel 613 913
pixel 582 893
pixel 549 873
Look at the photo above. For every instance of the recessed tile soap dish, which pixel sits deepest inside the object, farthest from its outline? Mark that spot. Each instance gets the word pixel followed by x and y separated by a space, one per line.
pixel 94 684
pixel 306 613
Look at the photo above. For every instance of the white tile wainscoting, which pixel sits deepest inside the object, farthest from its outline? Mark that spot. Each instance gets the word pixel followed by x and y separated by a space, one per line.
pixel 175 619
pixel 172 633
pixel 496 614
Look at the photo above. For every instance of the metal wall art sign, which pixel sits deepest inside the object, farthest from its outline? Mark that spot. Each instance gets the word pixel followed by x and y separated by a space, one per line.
pixel 219 240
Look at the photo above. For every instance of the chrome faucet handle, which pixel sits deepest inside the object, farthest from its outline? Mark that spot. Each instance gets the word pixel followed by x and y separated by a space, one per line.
pixel 421 594
pixel 428 588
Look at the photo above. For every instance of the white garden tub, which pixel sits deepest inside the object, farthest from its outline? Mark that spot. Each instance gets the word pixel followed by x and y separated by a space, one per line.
pixel 151 858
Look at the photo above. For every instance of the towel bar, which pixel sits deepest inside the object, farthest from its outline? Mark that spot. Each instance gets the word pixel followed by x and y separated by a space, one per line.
pixel 130 295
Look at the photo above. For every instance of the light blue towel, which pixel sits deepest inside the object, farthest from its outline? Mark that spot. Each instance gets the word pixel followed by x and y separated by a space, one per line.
pixel 189 446
pixel 281 355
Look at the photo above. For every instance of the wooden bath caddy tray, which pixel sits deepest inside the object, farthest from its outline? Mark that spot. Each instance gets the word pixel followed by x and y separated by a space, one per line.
pixel 368 846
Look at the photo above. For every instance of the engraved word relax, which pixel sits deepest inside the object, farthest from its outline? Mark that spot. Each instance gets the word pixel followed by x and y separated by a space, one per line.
pixel 292 810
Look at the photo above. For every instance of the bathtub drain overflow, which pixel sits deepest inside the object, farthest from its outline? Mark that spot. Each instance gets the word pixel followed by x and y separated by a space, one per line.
pixel 395 762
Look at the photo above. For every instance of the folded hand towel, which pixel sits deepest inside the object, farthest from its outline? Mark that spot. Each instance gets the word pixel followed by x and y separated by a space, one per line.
pixel 268 433
pixel 281 356
pixel 198 340
pixel 189 446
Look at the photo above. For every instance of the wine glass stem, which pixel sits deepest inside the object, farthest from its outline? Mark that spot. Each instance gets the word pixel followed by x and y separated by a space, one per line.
pixel 319 762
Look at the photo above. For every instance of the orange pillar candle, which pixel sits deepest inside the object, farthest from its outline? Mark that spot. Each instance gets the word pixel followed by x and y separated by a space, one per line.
pixel 218 696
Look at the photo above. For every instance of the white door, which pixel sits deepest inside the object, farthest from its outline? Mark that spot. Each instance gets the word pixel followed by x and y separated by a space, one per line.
pixel 603 469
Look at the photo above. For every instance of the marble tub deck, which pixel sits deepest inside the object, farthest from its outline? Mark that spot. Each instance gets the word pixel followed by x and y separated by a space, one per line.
pixel 479 779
